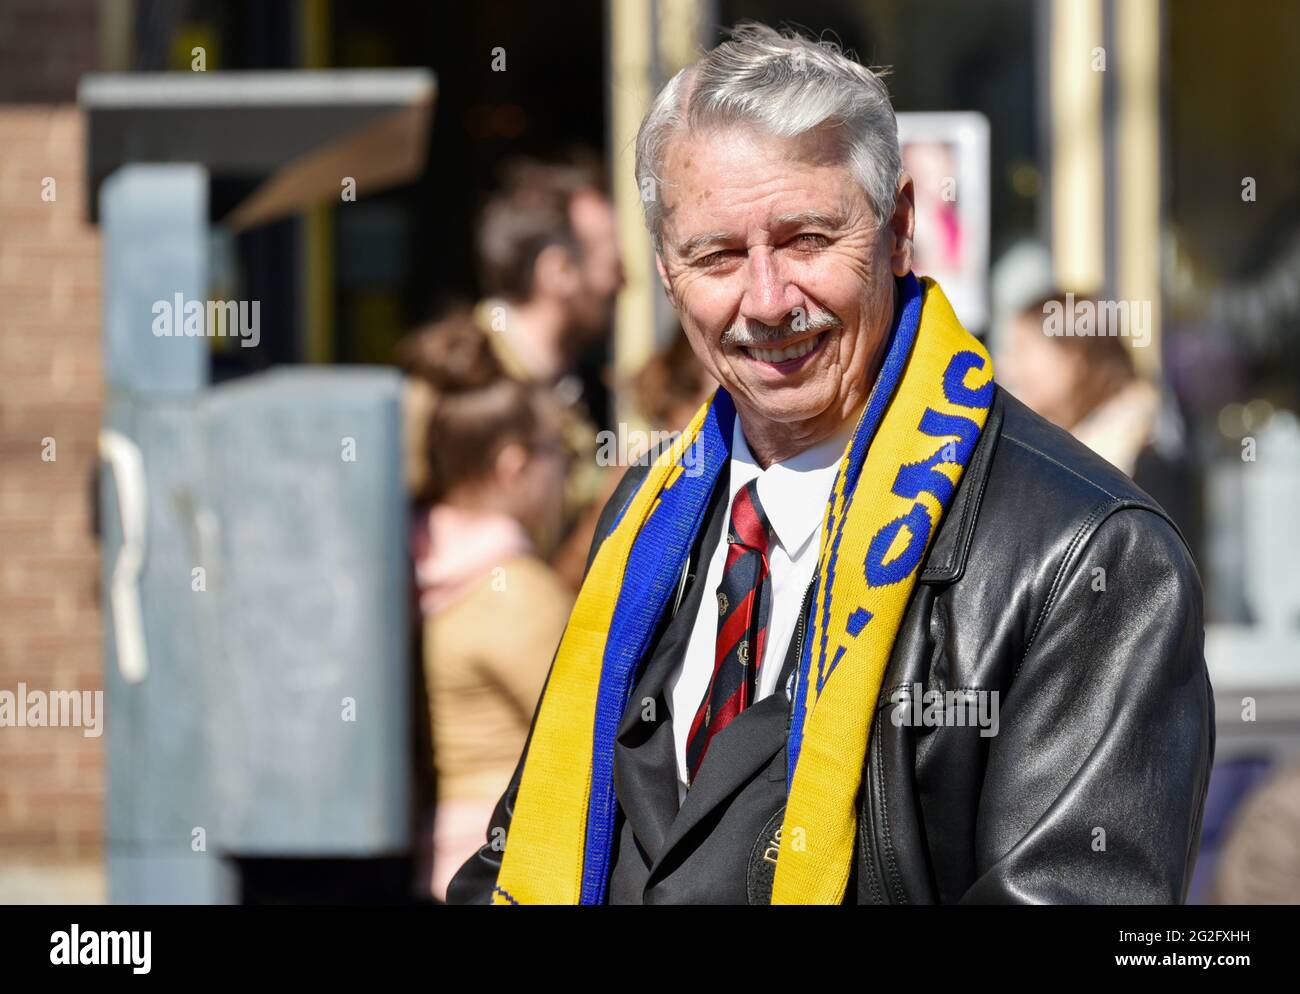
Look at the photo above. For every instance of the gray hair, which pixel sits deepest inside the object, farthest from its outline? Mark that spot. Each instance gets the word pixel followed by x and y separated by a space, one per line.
pixel 785 85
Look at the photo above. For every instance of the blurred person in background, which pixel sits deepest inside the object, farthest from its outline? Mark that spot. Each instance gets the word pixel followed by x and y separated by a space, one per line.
pixel 492 610
pixel 670 388
pixel 548 255
pixel 1089 385
pixel 549 263
pixel 1260 861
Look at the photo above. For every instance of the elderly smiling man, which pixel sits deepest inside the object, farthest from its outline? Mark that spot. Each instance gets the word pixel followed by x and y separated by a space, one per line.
pixel 761 693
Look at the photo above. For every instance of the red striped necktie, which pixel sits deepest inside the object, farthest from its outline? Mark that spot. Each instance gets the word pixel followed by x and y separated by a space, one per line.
pixel 744 604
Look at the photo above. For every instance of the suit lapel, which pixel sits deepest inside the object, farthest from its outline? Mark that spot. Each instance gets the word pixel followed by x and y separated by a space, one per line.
pixel 645 757
pixel 736 753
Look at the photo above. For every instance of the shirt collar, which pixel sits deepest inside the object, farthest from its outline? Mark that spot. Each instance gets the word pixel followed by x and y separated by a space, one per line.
pixel 793 492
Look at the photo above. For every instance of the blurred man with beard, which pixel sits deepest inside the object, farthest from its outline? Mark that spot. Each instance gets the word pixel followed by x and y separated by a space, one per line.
pixel 549 264
pixel 550 268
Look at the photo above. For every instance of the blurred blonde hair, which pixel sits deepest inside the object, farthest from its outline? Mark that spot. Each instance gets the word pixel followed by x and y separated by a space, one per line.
pixel 460 407
pixel 1260 861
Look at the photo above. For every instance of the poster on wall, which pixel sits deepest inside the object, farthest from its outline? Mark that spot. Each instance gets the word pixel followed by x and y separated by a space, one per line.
pixel 947 156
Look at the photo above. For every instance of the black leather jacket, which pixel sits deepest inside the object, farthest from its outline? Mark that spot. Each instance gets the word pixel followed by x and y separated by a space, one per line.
pixel 1057 583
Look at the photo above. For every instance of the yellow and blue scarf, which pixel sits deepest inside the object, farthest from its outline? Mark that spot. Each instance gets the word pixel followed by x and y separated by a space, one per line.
pixel 896 478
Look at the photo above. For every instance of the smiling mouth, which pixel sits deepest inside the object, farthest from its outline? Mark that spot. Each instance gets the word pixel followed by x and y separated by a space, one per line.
pixel 780 357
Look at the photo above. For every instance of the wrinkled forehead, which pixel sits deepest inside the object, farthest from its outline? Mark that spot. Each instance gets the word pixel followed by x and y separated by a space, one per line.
pixel 726 179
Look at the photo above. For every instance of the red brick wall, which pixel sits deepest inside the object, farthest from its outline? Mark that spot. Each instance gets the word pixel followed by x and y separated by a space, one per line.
pixel 51 779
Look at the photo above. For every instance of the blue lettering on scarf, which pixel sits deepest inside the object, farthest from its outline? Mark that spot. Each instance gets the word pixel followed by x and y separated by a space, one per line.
pixel 911 481
pixel 914 479
pixel 954 381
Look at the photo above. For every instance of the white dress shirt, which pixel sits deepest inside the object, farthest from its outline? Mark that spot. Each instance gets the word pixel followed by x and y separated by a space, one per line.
pixel 794 495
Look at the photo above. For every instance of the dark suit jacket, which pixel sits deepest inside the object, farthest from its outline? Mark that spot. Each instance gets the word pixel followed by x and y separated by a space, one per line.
pixel 1053 581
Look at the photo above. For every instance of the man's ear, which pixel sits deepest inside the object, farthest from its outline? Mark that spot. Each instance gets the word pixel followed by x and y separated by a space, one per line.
pixel 902 226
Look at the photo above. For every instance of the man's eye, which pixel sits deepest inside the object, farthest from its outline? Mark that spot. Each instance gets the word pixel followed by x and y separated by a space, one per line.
pixel 717 258
pixel 809 240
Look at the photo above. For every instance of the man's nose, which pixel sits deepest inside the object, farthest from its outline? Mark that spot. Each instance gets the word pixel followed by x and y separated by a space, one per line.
pixel 769 296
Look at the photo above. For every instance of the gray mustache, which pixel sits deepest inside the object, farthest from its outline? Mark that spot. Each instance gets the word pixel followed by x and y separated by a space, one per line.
pixel 748 333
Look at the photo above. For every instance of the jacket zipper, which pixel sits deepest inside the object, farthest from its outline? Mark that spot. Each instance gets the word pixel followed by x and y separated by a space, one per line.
pixel 877 887
pixel 800 632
